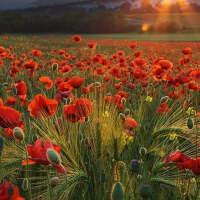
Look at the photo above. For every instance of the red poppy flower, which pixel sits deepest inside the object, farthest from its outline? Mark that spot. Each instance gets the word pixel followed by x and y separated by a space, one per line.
pixel 163 109
pixel 123 94
pixel 75 81
pixel 4 195
pixel 117 86
pixel 132 45
pixel 83 107
pixel 115 71
pixel 192 164
pixel 21 88
pixel 85 90
pixel 92 45
pixel 23 102
pixel 9 117
pixel 38 153
pixel 177 156
pixel 36 52
pixel 41 106
pixel 187 51
pixel 58 81
pixel 165 65
pixel 76 38
pixel 99 71
pixel 2 49
pixel 159 74
pixel 70 113
pixel 106 78
pixel 193 86
pixel 30 64
pixel 66 69
pixel 11 101
pixel 137 54
pixel 64 86
pixel 48 83
pixel 130 123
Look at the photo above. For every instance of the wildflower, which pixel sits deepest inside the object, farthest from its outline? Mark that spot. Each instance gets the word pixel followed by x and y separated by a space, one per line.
pixel 76 38
pixel 149 99
pixel 38 154
pixel 41 106
pixel 48 83
pixel 4 192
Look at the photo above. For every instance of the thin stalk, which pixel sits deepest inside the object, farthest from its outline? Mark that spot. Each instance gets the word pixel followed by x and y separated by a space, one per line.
pixel 49 188
pixel 27 175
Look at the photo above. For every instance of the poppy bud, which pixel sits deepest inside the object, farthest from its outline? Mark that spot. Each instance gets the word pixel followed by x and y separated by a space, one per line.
pixel 103 178
pixel 108 94
pixel 187 197
pixel 122 116
pixel 97 84
pixel 27 113
pixel 54 182
pixel 118 192
pixel 54 66
pixel 5 84
pixel 18 133
pixel 25 184
pixel 143 151
pixel 145 191
pixel 11 191
pixel 53 157
pixel 164 99
pixel 86 119
pixel 123 100
pixel 14 91
pixel 190 123
pixel 34 138
pixel 2 143
pixel 135 166
pixel 127 111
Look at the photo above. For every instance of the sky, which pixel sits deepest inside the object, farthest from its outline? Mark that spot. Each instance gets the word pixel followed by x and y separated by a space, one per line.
pixel 12 4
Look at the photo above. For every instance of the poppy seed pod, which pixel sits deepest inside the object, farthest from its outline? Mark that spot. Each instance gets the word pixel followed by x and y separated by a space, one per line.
pixel 164 99
pixel 127 111
pixel 143 151
pixel 18 133
pixel 145 191
pixel 135 166
pixel 190 123
pixel 11 191
pixel 54 182
pixel 122 116
pixel 53 157
pixel 2 143
pixel 118 192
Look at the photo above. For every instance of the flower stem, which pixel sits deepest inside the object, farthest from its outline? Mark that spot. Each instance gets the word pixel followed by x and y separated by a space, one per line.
pixel 49 188
pixel 27 175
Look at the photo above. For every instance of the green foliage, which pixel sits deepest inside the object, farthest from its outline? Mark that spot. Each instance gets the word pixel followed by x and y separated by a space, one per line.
pixel 168 26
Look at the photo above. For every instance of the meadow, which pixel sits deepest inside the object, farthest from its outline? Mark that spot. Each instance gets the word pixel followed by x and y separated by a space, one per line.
pixel 87 118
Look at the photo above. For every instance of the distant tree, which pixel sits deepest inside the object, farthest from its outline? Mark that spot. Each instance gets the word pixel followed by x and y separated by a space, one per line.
pixel 168 26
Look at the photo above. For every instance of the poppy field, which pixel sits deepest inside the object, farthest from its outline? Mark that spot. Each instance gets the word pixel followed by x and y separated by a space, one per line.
pixel 99 119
